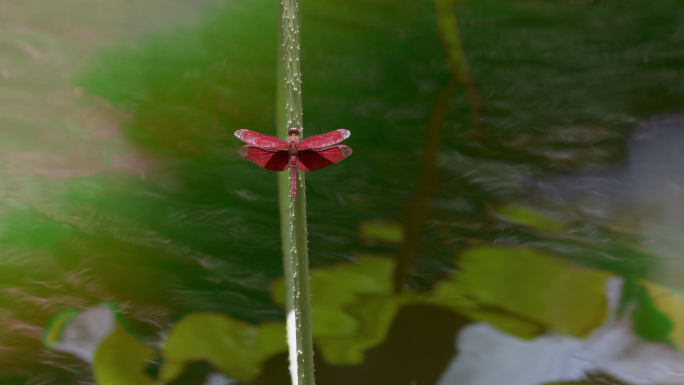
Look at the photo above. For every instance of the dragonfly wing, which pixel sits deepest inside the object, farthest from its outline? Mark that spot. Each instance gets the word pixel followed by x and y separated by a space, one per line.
pixel 261 140
pixel 323 140
pixel 268 158
pixel 316 159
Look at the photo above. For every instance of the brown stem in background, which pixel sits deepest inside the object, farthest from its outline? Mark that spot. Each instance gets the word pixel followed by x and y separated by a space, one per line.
pixel 451 40
pixel 420 202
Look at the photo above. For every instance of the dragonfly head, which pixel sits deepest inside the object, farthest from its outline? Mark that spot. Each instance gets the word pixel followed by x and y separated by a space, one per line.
pixel 293 138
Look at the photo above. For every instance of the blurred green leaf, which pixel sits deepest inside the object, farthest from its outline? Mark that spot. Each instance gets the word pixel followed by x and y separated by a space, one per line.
pixel 373 316
pixel 529 285
pixel 335 287
pixel 121 359
pixel 373 232
pixel 53 333
pixel 353 307
pixel 511 324
pixel 647 320
pixel 528 217
pixel 450 293
pixel 662 317
pixel 191 88
pixel 100 336
pixel 234 347
pixel 82 333
pixel 25 227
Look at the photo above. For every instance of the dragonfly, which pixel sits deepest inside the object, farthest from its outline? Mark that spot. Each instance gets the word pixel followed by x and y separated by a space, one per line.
pixel 309 154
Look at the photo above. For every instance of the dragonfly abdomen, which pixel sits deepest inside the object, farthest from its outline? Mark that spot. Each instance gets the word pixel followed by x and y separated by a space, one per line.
pixel 293 176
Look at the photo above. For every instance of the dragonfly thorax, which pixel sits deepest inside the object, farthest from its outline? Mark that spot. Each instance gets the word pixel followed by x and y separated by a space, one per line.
pixel 292 141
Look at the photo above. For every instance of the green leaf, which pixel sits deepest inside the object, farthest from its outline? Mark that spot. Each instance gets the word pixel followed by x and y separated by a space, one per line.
pixel 647 320
pixel 373 316
pixel 235 347
pixel 54 332
pixel 80 333
pixel 451 294
pixel 527 217
pixel 353 307
pixel 100 336
pixel 335 287
pixel 527 284
pixel 373 232
pixel 121 359
pixel 508 323
pixel 665 318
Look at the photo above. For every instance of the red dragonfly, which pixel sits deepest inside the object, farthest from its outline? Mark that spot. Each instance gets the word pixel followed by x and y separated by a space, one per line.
pixel 312 153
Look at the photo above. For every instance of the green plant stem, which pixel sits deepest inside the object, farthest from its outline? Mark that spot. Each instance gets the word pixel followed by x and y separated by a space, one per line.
pixel 293 215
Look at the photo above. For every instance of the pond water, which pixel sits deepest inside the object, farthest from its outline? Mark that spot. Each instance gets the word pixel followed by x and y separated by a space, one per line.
pixel 551 251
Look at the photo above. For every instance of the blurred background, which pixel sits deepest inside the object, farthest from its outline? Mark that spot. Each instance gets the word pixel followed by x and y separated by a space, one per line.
pixel 551 251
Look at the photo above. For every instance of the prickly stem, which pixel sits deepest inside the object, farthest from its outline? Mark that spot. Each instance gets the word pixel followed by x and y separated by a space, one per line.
pixel 293 211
